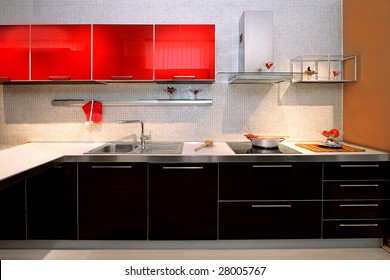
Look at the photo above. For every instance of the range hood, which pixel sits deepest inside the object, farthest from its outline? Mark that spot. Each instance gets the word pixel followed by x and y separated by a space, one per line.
pixel 259 77
pixel 255 50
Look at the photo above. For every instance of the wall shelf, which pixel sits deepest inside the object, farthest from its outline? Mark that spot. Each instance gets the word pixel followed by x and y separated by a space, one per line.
pixel 137 102
pixel 324 69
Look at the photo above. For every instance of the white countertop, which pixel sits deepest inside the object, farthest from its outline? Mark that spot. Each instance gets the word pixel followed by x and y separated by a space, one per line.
pixel 217 149
pixel 24 157
pixel 308 152
pixel 21 158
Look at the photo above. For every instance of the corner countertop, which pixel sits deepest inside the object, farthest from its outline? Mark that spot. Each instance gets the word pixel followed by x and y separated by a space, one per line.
pixel 21 158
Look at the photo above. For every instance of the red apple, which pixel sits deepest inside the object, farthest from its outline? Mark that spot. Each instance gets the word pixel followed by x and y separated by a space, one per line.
pixel 334 132
pixel 326 133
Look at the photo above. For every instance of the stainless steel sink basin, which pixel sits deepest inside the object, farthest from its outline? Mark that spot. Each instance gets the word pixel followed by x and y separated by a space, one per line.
pixel 135 148
pixel 163 148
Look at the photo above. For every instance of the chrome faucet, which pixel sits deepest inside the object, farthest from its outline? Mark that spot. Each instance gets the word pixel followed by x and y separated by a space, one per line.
pixel 143 136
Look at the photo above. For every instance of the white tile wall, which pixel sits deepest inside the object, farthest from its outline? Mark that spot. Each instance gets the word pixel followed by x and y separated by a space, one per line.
pixel 301 111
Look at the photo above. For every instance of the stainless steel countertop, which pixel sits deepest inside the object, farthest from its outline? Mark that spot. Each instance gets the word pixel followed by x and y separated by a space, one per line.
pixel 28 159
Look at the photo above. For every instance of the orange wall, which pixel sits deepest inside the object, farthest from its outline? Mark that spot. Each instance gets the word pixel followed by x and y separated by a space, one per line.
pixel 366 114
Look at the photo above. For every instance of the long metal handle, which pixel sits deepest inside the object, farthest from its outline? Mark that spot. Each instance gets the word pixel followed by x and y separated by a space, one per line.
pixel 182 167
pixel 136 102
pixel 184 77
pixel 111 166
pixel 360 205
pixel 358 185
pixel 60 77
pixel 271 206
pixel 272 166
pixel 121 77
pixel 358 225
pixel 359 165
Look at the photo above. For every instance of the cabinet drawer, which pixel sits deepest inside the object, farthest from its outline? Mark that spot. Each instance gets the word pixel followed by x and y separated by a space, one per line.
pixel 357 209
pixel 277 181
pixel 357 170
pixel 355 229
pixel 357 190
pixel 269 220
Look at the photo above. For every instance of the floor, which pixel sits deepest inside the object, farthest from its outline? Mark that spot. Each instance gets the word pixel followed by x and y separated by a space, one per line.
pixel 198 254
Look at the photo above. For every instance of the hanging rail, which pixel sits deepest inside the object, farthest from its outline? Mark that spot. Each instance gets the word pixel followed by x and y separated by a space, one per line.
pixel 138 102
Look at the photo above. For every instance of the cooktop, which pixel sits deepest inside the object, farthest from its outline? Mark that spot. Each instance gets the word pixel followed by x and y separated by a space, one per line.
pixel 248 148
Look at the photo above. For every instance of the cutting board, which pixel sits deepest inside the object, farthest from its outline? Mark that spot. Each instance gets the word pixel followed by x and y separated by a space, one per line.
pixel 318 149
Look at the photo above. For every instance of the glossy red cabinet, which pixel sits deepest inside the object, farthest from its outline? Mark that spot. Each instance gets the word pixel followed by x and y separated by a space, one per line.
pixel 61 52
pixel 14 52
pixel 123 52
pixel 184 52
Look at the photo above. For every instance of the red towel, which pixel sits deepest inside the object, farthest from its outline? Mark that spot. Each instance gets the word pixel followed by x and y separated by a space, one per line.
pixel 97 111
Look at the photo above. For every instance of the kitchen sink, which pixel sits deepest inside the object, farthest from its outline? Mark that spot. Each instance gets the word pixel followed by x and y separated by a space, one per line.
pixel 135 148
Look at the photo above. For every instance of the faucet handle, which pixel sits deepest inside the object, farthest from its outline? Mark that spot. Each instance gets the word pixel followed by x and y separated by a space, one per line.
pixel 148 137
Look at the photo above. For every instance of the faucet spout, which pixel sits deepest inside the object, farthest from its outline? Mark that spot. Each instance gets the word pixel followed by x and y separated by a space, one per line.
pixel 143 136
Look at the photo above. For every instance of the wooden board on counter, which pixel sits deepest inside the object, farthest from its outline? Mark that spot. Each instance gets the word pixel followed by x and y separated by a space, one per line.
pixel 318 149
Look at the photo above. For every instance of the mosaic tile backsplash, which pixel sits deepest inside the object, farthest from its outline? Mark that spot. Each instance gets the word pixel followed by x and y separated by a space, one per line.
pixel 301 111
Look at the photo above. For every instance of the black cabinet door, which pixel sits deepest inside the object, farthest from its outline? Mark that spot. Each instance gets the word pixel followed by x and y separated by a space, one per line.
pixel 12 212
pixel 52 203
pixel 183 201
pixel 356 170
pixel 356 229
pixel 276 181
pixel 113 201
pixel 270 220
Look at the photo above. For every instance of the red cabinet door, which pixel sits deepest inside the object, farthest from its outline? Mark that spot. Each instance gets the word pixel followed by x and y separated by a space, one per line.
pixel 184 52
pixel 14 52
pixel 122 52
pixel 61 52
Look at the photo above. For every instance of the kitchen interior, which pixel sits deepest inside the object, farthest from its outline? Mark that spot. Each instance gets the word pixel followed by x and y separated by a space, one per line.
pixel 296 109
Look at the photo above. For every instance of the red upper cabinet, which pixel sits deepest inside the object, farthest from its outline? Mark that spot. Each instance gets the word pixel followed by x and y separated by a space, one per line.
pixel 184 52
pixel 123 52
pixel 14 52
pixel 61 52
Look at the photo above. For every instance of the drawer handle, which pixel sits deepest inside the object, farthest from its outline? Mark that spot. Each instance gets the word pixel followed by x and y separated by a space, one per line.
pixel 111 166
pixel 121 77
pixel 184 77
pixel 271 166
pixel 271 206
pixel 60 77
pixel 360 205
pixel 358 225
pixel 359 165
pixel 359 185
pixel 182 167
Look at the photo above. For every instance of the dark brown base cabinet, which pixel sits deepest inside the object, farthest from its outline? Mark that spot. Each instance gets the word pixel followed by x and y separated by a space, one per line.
pixel 199 201
pixel 113 201
pixel 52 203
pixel 356 200
pixel 13 212
pixel 270 201
pixel 183 201
pixel 270 220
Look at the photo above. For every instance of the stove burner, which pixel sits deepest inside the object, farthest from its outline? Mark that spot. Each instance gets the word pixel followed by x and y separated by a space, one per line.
pixel 248 148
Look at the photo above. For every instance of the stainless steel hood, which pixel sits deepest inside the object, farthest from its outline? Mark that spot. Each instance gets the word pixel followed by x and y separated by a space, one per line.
pixel 255 50
pixel 259 77
pixel 256 41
